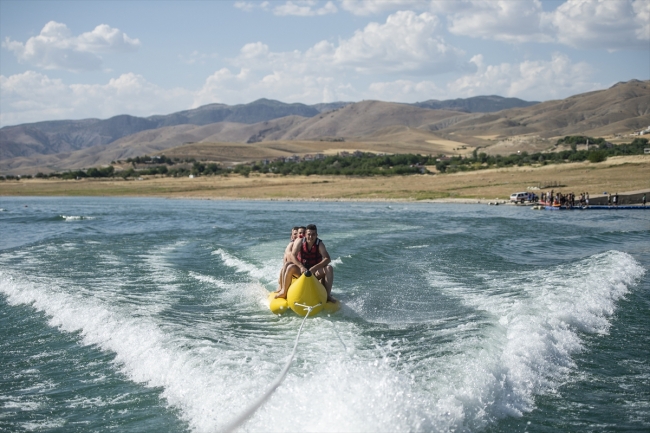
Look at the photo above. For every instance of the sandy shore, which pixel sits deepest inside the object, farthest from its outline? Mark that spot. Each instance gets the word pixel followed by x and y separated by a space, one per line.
pixel 617 174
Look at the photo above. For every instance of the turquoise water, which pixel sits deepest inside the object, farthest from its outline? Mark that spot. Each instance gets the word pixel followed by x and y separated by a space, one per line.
pixel 150 315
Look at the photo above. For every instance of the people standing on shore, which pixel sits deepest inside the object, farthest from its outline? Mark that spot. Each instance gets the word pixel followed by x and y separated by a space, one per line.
pixel 643 200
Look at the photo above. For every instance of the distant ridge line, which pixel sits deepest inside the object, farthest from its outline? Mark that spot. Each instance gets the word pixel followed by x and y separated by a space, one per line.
pixel 449 127
pixel 57 136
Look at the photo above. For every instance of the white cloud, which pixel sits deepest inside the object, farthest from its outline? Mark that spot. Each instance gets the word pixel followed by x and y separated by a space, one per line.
pixel 219 86
pixel 246 6
pixel 612 25
pixel 305 8
pixel 556 78
pixel 56 48
pixel 258 57
pixel 31 97
pixel 255 50
pixel 250 6
pixel 371 7
pixel 405 91
pixel 105 38
pixel 508 21
pixel 532 80
pixel 598 24
pixel 196 57
pixel 308 8
pixel 604 24
pixel 642 11
pixel 400 59
pixel 407 42
pixel 287 85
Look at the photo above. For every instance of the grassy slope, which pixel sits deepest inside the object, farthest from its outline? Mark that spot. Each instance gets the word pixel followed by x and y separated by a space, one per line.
pixel 617 174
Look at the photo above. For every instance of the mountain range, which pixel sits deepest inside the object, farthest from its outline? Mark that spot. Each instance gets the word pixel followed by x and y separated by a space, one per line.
pixel 476 104
pixel 267 128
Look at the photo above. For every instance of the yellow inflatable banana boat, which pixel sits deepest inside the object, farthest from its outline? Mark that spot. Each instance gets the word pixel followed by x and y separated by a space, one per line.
pixel 304 292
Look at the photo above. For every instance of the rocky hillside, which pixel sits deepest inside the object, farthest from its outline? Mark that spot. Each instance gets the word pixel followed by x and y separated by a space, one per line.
pixel 49 138
pixel 371 125
pixel 621 109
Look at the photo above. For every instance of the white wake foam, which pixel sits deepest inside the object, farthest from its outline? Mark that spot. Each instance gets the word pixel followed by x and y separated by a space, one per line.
pixel 210 383
pixel 535 323
pixel 76 217
pixel 489 368
pixel 143 351
pixel 266 271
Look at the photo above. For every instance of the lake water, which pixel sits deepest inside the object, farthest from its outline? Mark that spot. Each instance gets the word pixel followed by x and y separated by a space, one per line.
pixel 150 315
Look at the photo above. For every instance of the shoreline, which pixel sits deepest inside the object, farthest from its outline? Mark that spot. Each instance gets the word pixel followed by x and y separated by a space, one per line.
pixel 449 200
pixel 500 202
pixel 620 175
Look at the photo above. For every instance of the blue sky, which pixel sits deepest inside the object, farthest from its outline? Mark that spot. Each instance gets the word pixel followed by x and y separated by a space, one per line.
pixel 81 59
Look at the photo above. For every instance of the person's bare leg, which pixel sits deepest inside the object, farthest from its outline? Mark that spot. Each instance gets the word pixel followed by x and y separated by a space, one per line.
pixel 329 278
pixel 326 277
pixel 289 273
pixel 281 277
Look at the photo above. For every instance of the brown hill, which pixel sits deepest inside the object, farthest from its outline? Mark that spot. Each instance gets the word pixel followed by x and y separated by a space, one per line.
pixel 364 119
pixel 621 109
pixel 372 125
pixel 52 137
pixel 368 125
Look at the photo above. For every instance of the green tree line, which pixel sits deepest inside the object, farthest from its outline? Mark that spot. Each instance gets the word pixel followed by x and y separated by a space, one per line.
pixel 362 164
pixel 598 153
pixel 368 164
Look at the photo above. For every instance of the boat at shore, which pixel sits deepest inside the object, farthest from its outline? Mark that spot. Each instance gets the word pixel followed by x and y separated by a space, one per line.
pixel 555 206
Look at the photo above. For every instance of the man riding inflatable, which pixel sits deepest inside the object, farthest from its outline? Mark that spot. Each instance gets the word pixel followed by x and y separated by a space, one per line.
pixel 309 254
